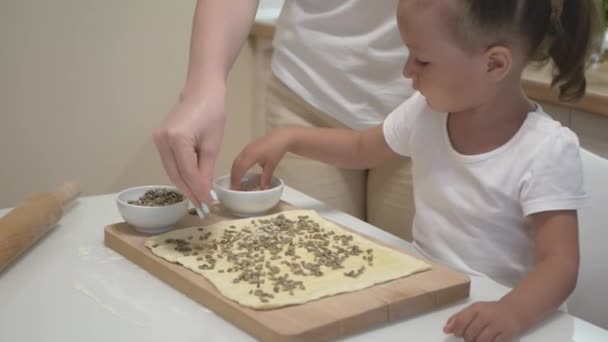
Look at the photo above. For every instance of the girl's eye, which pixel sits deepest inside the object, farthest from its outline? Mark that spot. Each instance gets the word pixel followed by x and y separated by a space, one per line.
pixel 421 63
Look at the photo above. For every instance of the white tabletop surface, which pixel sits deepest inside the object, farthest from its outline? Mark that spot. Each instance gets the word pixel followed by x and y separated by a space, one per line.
pixel 71 287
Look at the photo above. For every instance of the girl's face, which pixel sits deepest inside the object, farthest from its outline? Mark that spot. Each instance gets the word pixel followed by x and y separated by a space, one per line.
pixel 450 78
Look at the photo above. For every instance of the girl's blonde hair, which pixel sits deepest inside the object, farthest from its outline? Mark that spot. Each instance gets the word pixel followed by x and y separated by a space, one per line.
pixel 564 31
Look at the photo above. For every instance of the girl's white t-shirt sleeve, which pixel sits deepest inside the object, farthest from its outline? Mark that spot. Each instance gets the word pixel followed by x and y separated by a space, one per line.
pixel 398 126
pixel 555 178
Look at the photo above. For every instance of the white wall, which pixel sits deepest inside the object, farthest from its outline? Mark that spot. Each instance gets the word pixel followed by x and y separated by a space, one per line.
pixel 83 84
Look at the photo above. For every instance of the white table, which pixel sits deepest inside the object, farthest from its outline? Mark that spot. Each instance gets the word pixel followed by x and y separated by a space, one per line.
pixel 70 287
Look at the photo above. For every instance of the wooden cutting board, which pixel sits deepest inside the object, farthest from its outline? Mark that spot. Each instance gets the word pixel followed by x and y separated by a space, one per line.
pixel 319 320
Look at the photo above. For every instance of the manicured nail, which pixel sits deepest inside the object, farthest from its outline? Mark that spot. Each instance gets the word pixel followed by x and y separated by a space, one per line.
pixel 205 208
pixel 199 213
pixel 213 195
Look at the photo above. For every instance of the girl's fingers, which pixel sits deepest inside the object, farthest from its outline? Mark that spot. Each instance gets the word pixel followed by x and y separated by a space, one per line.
pixel 461 321
pixel 241 164
pixel 267 171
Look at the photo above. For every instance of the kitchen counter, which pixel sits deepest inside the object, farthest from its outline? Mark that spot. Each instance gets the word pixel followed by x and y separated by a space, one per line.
pixel 71 287
pixel 536 80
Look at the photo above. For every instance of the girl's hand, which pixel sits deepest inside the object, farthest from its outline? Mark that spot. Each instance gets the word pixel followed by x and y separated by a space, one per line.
pixel 266 151
pixel 485 322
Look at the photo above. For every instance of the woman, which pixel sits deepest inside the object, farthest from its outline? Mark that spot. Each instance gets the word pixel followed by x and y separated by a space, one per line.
pixel 336 63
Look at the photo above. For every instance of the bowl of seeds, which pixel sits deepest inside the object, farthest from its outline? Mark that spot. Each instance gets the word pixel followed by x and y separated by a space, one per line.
pixel 152 208
pixel 249 199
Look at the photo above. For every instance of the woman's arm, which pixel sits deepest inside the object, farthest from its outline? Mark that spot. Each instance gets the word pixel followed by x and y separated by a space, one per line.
pixel 189 139
pixel 219 30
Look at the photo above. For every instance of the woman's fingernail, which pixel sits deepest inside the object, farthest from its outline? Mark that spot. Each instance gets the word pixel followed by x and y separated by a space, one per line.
pixel 205 208
pixel 213 195
pixel 199 213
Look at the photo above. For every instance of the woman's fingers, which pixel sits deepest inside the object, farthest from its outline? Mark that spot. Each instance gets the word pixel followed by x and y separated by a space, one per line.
pixel 169 164
pixel 186 160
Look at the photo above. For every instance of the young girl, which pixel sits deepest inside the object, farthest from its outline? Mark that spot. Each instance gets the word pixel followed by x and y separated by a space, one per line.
pixel 497 182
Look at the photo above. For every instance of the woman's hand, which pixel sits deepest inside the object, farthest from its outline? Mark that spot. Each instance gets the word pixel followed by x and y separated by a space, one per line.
pixel 189 141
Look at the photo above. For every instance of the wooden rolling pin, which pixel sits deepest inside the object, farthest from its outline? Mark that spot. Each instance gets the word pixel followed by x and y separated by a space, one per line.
pixel 25 224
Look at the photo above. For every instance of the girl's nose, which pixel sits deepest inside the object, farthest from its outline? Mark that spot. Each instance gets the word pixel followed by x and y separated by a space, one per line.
pixel 409 69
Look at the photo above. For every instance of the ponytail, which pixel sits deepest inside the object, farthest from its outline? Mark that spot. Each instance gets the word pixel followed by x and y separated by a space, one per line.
pixel 573 37
pixel 565 31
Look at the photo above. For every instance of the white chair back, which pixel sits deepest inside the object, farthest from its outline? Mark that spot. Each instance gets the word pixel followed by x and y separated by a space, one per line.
pixel 590 298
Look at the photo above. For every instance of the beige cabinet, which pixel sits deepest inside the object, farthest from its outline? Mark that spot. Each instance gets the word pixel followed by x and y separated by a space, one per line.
pixel 561 114
pixel 262 56
pixel 592 129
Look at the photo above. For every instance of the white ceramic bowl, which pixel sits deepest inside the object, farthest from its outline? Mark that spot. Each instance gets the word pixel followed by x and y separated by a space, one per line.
pixel 147 219
pixel 248 203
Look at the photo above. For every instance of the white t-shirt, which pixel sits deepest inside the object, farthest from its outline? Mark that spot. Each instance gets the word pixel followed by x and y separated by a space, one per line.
pixel 344 57
pixel 471 209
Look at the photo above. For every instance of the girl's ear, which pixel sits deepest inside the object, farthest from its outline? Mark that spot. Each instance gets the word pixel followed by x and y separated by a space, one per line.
pixel 499 61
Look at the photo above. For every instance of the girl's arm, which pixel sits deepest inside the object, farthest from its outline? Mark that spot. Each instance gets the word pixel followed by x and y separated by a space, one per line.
pixel 342 148
pixel 555 272
pixel 339 147
pixel 541 292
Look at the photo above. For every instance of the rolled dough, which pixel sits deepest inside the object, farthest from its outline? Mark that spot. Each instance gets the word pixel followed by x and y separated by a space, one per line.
pixel 254 264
